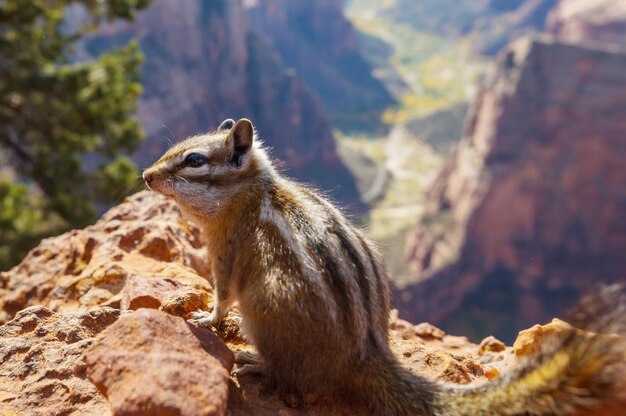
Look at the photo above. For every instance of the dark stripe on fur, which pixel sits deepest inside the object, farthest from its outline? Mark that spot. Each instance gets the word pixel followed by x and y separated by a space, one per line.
pixel 326 259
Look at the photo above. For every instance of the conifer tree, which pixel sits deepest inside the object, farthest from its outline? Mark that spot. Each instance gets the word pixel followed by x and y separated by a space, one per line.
pixel 54 113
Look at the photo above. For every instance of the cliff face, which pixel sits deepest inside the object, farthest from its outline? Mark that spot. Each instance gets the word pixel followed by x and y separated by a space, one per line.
pixel 529 211
pixel 317 40
pixel 577 21
pixel 204 63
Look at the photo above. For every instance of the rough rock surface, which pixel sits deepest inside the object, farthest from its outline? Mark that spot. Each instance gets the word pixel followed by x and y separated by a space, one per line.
pixel 41 367
pixel 317 40
pixel 528 213
pixel 530 339
pixel 583 21
pixel 431 357
pixel 145 236
pixel 152 363
pixel 149 362
pixel 182 302
pixel 204 63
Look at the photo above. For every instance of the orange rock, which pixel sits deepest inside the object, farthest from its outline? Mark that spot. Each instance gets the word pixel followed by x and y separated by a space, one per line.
pixel 144 236
pixel 529 341
pixel 183 301
pixel 151 363
pixel 491 374
pixel 42 371
pixel 491 344
pixel 147 292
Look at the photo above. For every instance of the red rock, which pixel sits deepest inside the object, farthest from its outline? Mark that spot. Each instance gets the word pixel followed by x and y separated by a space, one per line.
pixel 41 371
pixel 151 363
pixel 528 213
pixel 147 292
pixel 89 267
pixel 185 300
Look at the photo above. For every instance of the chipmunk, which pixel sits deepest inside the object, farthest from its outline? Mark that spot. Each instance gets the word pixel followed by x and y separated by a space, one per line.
pixel 314 295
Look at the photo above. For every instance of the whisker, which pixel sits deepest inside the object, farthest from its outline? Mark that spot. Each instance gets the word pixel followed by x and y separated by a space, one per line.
pixel 180 177
pixel 170 142
pixel 129 189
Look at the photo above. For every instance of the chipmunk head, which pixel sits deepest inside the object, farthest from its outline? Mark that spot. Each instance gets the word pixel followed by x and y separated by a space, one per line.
pixel 202 172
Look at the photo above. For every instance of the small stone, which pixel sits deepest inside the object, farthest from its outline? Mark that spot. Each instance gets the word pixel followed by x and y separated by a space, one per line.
pixel 428 331
pixel 492 344
pixel 230 329
pixel 181 302
pixel 491 374
pixel 452 341
pixel 403 328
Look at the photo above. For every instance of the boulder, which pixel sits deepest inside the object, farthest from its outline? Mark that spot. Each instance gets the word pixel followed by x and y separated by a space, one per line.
pixel 152 363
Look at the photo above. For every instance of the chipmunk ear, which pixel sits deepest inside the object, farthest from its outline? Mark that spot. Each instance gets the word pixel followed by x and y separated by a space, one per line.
pixel 226 124
pixel 242 136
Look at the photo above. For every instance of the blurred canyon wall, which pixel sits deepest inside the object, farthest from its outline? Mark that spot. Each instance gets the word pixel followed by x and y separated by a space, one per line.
pixel 205 61
pixel 530 210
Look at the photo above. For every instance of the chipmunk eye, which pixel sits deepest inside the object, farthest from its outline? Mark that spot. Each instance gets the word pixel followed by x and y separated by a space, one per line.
pixel 194 160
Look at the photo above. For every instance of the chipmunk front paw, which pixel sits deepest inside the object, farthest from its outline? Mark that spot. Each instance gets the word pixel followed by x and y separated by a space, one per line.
pixel 204 319
pixel 246 357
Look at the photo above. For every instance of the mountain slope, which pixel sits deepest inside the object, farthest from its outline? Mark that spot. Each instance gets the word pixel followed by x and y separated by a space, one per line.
pixel 204 63
pixel 317 40
pixel 529 211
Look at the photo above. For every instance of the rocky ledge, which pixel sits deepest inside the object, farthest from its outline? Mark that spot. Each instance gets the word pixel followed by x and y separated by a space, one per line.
pixel 94 323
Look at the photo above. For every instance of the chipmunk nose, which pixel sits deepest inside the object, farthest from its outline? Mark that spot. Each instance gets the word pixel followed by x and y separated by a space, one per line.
pixel 148 177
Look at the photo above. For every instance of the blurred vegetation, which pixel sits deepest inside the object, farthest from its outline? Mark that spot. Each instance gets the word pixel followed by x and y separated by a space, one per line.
pixel 53 113
pixel 432 75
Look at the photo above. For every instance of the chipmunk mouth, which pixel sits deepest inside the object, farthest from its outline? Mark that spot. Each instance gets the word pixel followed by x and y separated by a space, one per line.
pixel 158 184
pixel 162 188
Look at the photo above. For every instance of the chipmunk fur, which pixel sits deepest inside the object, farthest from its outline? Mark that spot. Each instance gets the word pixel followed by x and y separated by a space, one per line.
pixel 314 296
